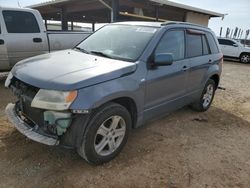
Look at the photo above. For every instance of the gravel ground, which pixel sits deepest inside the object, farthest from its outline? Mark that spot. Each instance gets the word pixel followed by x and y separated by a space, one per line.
pixel 183 149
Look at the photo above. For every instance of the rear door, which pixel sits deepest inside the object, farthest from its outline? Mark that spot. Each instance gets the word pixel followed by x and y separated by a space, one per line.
pixel 199 55
pixel 23 35
pixel 201 47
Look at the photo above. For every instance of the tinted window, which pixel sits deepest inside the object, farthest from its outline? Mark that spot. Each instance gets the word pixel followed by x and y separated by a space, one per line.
pixel 212 44
pixel 226 42
pixel 172 42
pixel 206 50
pixel 194 45
pixel 20 22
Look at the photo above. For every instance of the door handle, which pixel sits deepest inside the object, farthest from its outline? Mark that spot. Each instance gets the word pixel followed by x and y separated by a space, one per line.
pixel 185 68
pixel 1 41
pixel 210 61
pixel 37 40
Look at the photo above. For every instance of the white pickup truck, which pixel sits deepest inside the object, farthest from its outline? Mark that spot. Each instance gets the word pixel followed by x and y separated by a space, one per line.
pixel 23 34
pixel 234 49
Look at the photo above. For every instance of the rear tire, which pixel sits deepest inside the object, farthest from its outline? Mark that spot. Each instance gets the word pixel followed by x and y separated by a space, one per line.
pixel 245 58
pixel 106 134
pixel 206 99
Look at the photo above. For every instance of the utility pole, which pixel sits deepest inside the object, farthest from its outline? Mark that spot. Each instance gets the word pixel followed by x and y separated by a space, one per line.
pixel 239 34
pixel 231 36
pixel 247 33
pixel 227 32
pixel 235 32
pixel 220 31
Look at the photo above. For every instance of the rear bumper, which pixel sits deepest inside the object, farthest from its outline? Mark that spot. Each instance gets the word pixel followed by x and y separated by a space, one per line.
pixel 24 128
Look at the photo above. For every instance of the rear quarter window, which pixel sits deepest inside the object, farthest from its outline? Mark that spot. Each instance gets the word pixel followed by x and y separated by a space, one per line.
pixel 206 49
pixel 20 22
pixel 212 44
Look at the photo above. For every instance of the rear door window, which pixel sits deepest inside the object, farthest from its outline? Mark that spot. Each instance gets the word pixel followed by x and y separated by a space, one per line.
pixel 20 22
pixel 194 45
pixel 172 42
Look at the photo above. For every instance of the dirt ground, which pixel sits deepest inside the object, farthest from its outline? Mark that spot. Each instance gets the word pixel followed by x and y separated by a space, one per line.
pixel 183 149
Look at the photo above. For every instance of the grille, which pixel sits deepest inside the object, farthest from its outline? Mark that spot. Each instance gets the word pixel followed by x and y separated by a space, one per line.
pixel 25 94
pixel 21 88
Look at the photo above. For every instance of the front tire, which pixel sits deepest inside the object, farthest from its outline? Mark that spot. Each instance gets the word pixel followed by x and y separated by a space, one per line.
pixel 206 99
pixel 106 134
pixel 245 58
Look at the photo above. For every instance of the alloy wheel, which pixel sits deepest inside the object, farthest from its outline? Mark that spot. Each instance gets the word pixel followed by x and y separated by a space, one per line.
pixel 208 95
pixel 245 58
pixel 109 135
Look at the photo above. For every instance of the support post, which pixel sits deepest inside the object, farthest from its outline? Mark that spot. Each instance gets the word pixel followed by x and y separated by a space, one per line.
pixel 115 11
pixel 72 25
pixel 46 24
pixel 156 13
pixel 93 26
pixel 64 19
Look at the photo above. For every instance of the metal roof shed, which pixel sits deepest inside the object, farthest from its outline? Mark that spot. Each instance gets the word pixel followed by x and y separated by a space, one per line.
pixel 105 11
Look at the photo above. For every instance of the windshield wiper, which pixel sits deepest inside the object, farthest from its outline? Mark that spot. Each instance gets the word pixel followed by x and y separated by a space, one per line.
pixel 82 50
pixel 101 54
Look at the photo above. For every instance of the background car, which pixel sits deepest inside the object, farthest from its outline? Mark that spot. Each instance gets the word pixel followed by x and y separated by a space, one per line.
pixel 234 49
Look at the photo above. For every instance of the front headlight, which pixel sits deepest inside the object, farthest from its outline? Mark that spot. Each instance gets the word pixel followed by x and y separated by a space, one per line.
pixel 53 100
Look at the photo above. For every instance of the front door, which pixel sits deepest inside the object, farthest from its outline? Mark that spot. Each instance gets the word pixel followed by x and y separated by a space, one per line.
pixel 167 84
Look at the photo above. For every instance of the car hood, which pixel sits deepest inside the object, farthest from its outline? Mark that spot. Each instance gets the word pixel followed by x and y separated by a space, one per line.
pixel 70 70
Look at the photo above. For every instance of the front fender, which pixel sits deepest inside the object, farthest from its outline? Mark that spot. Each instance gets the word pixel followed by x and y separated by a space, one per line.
pixel 94 96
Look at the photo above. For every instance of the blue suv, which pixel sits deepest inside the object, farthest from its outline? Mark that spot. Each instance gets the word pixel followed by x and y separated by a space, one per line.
pixel 120 77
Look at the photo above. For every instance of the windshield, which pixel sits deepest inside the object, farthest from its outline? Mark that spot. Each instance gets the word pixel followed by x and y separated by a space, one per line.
pixel 124 42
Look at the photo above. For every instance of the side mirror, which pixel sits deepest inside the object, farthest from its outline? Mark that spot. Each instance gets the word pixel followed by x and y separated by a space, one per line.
pixel 163 59
pixel 235 45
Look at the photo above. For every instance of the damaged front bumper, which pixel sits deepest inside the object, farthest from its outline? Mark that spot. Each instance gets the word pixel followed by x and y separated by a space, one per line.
pixel 25 129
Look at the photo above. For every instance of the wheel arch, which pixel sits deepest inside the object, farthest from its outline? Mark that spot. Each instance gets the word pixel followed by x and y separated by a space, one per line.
pixel 244 53
pixel 216 79
pixel 127 102
pixel 130 105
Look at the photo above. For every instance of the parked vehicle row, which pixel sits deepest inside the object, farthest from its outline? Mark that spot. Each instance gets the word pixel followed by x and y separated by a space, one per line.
pixel 120 77
pixel 234 49
pixel 23 34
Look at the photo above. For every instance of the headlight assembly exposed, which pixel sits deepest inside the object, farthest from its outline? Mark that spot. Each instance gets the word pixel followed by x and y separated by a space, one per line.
pixel 53 100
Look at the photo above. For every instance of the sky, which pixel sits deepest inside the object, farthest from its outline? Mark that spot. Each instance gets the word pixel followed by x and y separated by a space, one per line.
pixel 238 11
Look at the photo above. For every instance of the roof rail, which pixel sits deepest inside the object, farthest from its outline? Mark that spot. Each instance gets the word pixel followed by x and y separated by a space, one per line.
pixel 184 23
